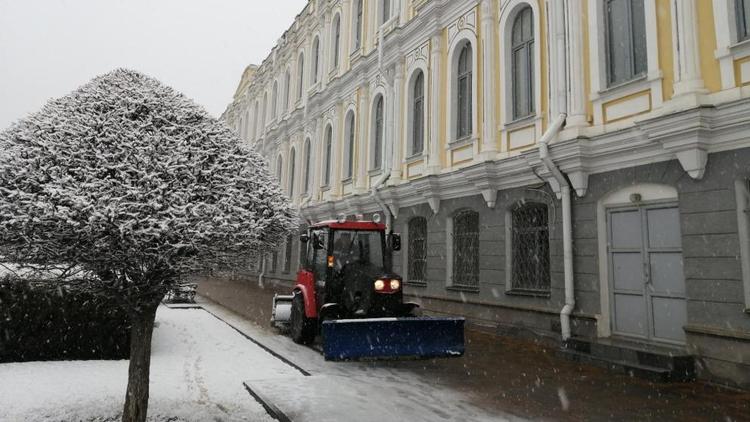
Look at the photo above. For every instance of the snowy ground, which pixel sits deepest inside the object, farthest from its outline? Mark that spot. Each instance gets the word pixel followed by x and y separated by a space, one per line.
pixel 197 369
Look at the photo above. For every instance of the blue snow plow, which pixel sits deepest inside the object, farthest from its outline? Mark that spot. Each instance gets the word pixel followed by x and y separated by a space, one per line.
pixel 377 338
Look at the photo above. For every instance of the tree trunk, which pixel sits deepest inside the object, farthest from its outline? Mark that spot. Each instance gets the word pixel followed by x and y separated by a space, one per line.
pixel 136 399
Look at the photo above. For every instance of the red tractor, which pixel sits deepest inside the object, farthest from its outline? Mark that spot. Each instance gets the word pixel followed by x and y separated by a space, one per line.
pixel 347 291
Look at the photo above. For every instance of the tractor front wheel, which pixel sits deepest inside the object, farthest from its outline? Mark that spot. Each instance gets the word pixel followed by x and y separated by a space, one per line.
pixel 302 327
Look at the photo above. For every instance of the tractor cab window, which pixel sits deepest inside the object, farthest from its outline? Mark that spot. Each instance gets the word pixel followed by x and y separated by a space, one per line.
pixel 357 247
pixel 319 261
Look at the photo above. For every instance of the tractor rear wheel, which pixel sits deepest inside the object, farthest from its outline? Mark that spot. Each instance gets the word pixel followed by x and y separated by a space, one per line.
pixel 302 327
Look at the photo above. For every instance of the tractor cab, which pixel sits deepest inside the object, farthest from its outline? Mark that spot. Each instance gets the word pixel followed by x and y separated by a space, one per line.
pixel 351 264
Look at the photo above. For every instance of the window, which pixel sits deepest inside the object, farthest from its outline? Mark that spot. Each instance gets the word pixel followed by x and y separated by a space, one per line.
pixel 306 186
pixel 265 108
pixel 292 163
pixel 377 145
pixel 274 261
pixel 255 118
pixel 301 76
pixel 626 40
pixel 464 93
pixel 274 100
pixel 336 41
pixel 522 48
pixel 350 145
pixel 466 250
pixel 386 11
pixel 358 25
pixel 287 90
pixel 288 253
pixel 316 60
pixel 328 146
pixel 742 195
pixel 279 168
pixel 417 128
pixel 743 18
pixel 417 258
pixel 530 248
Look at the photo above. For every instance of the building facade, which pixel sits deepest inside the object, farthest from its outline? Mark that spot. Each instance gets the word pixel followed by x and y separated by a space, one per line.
pixel 568 168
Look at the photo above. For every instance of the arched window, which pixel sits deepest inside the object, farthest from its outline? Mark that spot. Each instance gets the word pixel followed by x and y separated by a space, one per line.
pixel 625 22
pixel 274 100
pixel 466 249
pixel 417 258
pixel 292 164
pixel 255 118
pixel 315 59
pixel 530 246
pixel 743 19
pixel 265 111
pixel 377 144
pixel 279 168
pixel 336 40
pixel 287 90
pixel 300 75
pixel 288 247
pixel 357 24
pixel 350 145
pixel 522 48
pixel 385 12
pixel 464 92
pixel 306 186
pixel 328 147
pixel 417 126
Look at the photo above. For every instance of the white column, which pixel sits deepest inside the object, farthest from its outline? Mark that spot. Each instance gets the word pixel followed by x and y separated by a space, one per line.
pixel 577 89
pixel 396 135
pixel 433 160
pixel 687 69
pixel 489 144
pixel 361 143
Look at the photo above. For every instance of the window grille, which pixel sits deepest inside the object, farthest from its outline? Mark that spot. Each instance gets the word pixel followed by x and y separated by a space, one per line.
pixel 523 63
pixel 417 258
pixel 626 40
pixel 743 18
pixel 418 115
pixel 378 144
pixel 288 254
pixel 530 246
pixel 466 250
pixel 463 92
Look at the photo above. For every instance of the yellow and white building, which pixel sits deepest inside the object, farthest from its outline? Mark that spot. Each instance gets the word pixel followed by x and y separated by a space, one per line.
pixel 575 168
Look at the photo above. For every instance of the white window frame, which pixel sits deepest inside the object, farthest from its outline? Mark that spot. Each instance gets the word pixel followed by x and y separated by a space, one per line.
pixel 291 172
pixel 411 113
pixel 335 43
pixel 328 176
pixel 454 52
pixel 358 15
pixel 729 47
pixel 300 75
pixel 373 131
pixel 601 93
pixel 350 146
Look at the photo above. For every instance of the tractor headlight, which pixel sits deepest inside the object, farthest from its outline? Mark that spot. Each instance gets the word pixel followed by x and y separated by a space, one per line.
pixel 379 285
pixel 395 284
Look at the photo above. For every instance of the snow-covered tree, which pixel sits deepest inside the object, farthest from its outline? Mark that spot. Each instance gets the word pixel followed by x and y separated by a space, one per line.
pixel 130 185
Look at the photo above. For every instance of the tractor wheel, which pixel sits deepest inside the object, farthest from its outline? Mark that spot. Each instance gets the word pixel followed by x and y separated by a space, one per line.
pixel 302 327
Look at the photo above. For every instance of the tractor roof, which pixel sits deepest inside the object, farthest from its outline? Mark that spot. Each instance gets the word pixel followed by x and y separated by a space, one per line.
pixel 350 225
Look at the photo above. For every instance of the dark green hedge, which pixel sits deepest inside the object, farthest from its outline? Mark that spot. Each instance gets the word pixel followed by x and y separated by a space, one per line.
pixel 41 324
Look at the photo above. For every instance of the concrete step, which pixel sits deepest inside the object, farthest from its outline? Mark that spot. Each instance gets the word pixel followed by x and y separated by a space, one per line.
pixel 656 362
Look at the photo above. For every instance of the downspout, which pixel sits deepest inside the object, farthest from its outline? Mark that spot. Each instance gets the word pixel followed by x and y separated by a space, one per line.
pixel 565 187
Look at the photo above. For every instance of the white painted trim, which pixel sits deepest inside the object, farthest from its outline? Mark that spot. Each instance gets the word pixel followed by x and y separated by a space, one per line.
pixel 600 92
pixel 742 194
pixel 507 15
pixel 408 112
pixel 463 36
pixel 650 192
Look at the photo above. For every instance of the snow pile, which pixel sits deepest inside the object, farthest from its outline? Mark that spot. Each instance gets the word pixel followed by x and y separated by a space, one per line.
pixel 197 369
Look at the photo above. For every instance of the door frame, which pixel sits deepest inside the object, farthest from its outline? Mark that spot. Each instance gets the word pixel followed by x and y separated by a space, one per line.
pixel 649 194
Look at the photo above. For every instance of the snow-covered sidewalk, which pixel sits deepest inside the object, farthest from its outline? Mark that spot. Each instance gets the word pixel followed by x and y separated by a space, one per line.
pixel 198 366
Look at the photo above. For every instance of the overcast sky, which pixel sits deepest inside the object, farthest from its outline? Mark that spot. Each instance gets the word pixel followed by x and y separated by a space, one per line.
pixel 200 47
